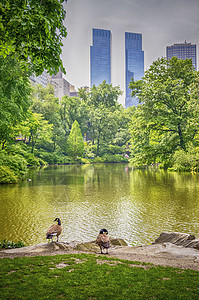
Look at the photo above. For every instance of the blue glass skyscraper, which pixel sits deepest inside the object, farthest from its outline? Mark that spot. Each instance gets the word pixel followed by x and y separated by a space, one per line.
pixel 134 64
pixel 100 57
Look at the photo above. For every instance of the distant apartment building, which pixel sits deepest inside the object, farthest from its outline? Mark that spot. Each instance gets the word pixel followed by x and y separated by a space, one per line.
pixel 182 51
pixel 100 57
pixel 134 64
pixel 61 85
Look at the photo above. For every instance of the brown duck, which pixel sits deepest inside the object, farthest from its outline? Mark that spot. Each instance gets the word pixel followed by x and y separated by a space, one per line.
pixel 103 240
pixel 54 230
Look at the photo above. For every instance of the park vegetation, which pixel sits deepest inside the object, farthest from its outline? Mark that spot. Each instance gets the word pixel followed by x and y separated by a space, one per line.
pixel 164 128
pixel 36 128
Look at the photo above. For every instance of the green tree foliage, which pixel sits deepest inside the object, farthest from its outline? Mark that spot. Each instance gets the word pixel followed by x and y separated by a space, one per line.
pixel 35 129
pixel 32 31
pixel 103 107
pixel 166 120
pixel 46 104
pixel 15 96
pixel 75 141
pixel 69 112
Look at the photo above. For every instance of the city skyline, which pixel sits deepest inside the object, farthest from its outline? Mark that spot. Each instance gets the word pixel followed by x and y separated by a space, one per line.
pixel 160 22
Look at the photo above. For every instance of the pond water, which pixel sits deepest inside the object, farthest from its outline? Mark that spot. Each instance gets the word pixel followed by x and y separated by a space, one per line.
pixel 136 205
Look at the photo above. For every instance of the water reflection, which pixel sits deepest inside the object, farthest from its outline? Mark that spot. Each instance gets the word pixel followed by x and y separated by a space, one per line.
pixel 136 205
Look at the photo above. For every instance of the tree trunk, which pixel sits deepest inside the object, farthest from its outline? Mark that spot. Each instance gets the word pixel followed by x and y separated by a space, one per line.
pixel 181 137
pixel 3 145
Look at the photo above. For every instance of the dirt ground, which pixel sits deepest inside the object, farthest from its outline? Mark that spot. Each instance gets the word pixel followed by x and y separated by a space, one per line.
pixel 164 254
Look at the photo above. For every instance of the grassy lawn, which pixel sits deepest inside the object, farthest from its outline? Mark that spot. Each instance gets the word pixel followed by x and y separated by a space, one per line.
pixel 82 276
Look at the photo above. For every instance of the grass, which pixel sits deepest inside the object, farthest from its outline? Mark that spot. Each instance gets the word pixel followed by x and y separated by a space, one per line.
pixel 87 276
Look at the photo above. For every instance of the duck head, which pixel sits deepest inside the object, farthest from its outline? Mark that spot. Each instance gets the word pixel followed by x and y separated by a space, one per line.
pixel 58 221
pixel 103 231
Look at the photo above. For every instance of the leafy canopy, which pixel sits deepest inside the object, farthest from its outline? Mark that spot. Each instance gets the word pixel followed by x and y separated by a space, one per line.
pixel 33 30
pixel 164 121
pixel 75 141
pixel 15 96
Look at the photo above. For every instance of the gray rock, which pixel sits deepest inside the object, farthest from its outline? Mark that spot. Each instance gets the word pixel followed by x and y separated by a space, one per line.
pixel 179 239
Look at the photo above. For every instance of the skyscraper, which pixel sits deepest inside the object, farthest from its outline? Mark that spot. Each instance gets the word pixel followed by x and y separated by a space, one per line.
pixel 134 64
pixel 182 51
pixel 100 57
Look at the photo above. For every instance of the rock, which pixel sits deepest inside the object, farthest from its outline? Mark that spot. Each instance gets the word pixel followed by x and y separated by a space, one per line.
pixel 179 239
pixel 118 242
pixel 87 246
pixel 48 247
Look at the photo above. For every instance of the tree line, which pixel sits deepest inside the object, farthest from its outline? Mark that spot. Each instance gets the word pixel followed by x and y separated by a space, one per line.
pixel 37 128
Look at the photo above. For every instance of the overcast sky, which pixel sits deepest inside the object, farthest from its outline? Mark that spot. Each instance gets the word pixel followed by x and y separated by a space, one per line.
pixel 161 22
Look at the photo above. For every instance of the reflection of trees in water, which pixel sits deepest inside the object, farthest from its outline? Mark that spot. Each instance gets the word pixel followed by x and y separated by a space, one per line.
pixel 136 205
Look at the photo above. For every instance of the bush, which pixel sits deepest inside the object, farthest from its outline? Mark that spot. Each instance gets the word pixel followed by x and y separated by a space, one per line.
pixel 98 160
pixel 54 158
pixel 16 163
pixel 181 161
pixel 85 161
pixel 10 244
pixel 31 159
pixel 112 149
pixel 7 176
pixel 114 158
pixel 23 150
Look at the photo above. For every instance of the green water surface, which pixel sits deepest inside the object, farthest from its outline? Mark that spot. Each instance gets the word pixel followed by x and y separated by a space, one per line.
pixel 136 205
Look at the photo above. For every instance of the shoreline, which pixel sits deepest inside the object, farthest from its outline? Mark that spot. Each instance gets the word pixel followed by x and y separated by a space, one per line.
pixel 176 250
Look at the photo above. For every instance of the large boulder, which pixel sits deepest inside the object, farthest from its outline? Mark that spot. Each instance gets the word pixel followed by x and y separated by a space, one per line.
pixel 179 239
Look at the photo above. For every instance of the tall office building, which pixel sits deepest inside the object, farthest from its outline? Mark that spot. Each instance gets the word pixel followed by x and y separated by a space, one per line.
pixel 182 51
pixel 134 64
pixel 100 57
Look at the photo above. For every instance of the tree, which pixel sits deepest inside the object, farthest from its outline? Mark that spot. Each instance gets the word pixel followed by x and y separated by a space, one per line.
pixel 166 115
pixel 15 96
pixel 75 141
pixel 32 31
pixel 46 104
pixel 69 112
pixel 102 112
pixel 35 129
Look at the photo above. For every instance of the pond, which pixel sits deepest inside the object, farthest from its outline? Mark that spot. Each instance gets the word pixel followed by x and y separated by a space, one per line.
pixel 136 205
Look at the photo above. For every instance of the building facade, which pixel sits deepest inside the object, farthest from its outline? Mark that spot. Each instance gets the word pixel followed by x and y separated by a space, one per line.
pixel 60 84
pixel 100 57
pixel 134 64
pixel 182 51
pixel 41 79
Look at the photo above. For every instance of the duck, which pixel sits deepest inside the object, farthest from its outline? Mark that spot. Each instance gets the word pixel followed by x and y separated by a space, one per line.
pixel 54 230
pixel 103 240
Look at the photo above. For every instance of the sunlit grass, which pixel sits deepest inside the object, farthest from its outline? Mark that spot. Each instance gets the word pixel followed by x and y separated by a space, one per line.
pixel 82 276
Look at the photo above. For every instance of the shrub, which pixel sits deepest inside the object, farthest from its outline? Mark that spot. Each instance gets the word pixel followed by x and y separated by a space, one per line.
pixel 10 244
pixel 54 158
pixel 85 161
pixel 7 176
pixel 31 159
pixel 114 158
pixel 181 161
pixel 16 163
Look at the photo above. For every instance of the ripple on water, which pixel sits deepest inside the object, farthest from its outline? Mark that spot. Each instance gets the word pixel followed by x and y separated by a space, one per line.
pixel 132 204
